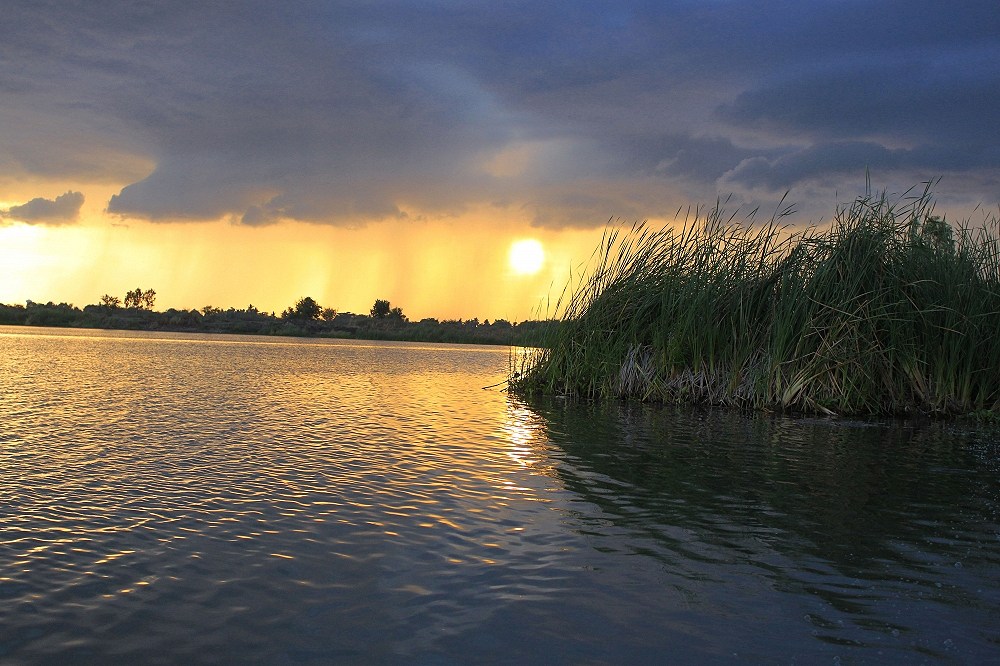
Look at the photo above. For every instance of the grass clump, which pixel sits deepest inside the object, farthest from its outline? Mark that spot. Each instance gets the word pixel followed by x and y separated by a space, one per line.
pixel 888 311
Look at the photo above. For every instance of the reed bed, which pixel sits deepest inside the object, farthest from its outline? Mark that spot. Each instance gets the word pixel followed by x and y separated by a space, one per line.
pixel 889 310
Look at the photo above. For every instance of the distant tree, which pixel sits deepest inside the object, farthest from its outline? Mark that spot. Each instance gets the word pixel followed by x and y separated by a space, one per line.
pixel 307 308
pixel 12 314
pixel 211 310
pixel 381 309
pixel 137 298
pixel 304 309
pixel 109 301
pixel 396 314
pixel 328 314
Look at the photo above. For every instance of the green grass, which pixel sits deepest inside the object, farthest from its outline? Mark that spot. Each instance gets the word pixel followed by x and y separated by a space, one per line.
pixel 889 310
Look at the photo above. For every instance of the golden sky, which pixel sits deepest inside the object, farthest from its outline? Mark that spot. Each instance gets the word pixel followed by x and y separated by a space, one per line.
pixel 456 267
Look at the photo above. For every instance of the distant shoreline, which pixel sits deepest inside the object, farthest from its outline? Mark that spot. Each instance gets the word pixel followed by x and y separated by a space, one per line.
pixel 250 321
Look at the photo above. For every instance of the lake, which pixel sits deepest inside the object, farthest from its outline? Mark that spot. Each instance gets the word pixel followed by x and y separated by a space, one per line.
pixel 184 498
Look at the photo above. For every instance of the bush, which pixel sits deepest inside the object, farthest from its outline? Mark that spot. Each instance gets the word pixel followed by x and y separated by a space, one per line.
pixel 887 312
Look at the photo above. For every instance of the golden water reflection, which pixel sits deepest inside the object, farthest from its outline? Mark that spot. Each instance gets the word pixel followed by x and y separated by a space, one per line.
pixel 527 442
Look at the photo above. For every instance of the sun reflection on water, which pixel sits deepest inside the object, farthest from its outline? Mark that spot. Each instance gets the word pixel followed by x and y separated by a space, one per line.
pixel 523 430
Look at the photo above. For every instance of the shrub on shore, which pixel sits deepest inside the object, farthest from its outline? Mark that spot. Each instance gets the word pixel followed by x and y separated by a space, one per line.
pixel 888 311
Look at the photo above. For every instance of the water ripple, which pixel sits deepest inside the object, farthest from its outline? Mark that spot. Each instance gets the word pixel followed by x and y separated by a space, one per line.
pixel 198 498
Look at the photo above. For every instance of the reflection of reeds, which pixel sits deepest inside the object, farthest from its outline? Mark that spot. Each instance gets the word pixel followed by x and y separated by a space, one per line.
pixel 888 311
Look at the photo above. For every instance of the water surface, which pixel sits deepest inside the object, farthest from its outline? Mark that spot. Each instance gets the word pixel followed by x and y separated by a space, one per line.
pixel 209 498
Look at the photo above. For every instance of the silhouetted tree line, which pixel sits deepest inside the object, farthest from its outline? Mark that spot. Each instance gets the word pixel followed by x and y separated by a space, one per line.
pixel 305 318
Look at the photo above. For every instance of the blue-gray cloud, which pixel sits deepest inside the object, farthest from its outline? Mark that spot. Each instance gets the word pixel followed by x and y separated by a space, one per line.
pixel 64 209
pixel 344 112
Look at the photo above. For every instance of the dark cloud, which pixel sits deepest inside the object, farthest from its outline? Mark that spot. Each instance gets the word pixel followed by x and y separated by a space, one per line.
pixel 344 112
pixel 842 158
pixel 912 101
pixel 61 210
pixel 819 160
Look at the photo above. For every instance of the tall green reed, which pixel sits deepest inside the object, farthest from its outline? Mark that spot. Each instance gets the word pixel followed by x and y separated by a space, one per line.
pixel 890 310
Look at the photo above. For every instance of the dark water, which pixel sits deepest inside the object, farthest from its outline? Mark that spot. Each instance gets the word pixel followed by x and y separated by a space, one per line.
pixel 184 498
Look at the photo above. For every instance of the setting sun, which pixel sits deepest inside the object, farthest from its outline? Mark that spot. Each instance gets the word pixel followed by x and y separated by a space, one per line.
pixel 526 256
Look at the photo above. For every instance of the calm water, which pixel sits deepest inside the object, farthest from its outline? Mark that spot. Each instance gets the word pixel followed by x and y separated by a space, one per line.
pixel 196 498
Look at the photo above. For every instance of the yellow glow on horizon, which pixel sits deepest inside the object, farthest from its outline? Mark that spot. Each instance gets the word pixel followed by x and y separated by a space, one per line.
pixel 20 244
pixel 526 257
pixel 451 267
pixel 37 262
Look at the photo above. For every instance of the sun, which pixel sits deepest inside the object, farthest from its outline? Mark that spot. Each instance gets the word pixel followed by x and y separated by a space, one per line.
pixel 526 256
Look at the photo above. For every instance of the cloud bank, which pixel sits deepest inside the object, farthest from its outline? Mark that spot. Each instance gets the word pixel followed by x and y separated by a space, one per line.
pixel 63 209
pixel 569 112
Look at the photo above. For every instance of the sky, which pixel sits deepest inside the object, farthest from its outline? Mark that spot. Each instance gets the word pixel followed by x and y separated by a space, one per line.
pixel 254 152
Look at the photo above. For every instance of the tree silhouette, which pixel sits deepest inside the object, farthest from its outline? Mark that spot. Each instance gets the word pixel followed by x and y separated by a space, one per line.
pixel 139 299
pixel 109 301
pixel 305 309
pixel 133 299
pixel 381 309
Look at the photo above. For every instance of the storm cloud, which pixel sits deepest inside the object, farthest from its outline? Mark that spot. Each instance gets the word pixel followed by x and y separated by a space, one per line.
pixel 345 113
